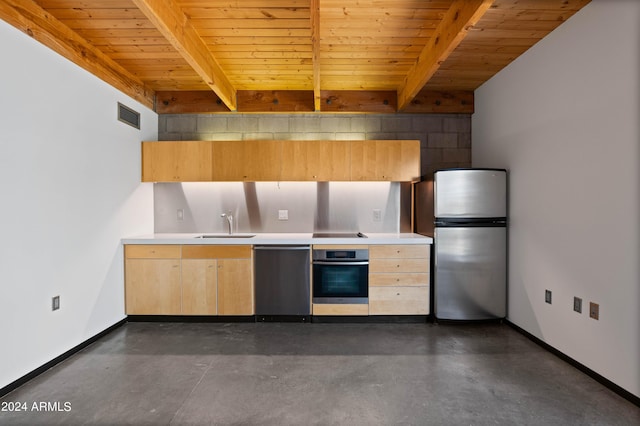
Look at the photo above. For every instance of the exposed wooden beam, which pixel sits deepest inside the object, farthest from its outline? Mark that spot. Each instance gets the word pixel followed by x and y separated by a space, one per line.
pixel 462 15
pixel 189 102
pixel 442 102
pixel 378 101
pixel 176 27
pixel 34 21
pixel 292 101
pixel 275 101
pixel 315 52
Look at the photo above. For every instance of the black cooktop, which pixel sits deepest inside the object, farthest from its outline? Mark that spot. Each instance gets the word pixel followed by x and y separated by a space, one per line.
pixel 339 235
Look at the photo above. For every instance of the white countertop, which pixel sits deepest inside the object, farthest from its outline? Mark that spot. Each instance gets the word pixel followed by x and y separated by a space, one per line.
pixel 277 238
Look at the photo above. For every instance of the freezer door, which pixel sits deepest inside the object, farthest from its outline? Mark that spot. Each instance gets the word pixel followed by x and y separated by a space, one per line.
pixel 470 273
pixel 469 193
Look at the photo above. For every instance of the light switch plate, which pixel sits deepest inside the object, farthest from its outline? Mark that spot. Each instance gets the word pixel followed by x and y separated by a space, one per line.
pixel 577 305
pixel 55 303
pixel 283 214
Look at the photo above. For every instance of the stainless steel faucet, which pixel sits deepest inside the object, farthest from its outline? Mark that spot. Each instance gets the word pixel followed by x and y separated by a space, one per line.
pixel 229 218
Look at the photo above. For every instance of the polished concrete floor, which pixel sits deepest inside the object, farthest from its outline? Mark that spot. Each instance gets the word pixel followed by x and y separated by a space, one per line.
pixel 316 374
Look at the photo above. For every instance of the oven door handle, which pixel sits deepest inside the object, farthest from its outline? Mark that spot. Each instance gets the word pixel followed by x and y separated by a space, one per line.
pixel 322 262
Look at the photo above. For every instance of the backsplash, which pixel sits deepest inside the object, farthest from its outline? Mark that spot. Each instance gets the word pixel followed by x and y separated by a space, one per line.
pixel 257 206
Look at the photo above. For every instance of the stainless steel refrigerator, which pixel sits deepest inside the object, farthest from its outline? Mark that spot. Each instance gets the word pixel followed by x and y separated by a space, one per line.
pixel 465 210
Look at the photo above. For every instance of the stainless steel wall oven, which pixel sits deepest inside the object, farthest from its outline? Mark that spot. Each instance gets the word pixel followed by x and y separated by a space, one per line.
pixel 341 276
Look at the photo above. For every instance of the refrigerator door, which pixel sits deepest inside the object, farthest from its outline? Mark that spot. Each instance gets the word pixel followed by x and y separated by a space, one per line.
pixel 470 273
pixel 470 193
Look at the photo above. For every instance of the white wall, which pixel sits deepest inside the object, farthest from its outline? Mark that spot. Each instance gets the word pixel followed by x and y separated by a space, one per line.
pixel 564 119
pixel 70 189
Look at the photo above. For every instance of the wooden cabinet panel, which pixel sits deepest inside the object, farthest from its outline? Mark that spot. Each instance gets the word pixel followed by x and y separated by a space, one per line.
pixel 250 161
pixel 273 160
pixel 152 286
pixel 395 279
pixel 398 300
pixel 207 280
pixel 340 309
pixel 316 161
pixel 399 279
pixel 389 160
pixel 152 251
pixel 184 161
pixel 235 287
pixel 199 287
pixel 399 251
pixel 398 265
pixel 216 252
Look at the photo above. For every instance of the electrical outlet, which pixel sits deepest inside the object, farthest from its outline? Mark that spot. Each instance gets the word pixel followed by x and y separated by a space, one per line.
pixel 180 215
pixel 55 303
pixel 594 310
pixel 377 215
pixel 547 296
pixel 577 305
pixel 283 214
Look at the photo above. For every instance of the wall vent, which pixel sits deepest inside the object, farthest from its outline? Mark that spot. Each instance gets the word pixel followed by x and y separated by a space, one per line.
pixel 129 116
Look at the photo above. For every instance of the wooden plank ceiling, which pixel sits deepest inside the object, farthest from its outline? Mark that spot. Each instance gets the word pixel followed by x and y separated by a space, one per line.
pixel 292 55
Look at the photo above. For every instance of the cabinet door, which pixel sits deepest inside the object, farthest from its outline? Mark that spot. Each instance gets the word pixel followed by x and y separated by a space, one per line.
pixel 393 160
pixel 251 161
pixel 152 286
pixel 199 287
pixel 235 287
pixel 188 161
pixel 316 160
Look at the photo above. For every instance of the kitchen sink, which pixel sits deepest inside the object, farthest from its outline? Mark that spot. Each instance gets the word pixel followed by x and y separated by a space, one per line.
pixel 226 236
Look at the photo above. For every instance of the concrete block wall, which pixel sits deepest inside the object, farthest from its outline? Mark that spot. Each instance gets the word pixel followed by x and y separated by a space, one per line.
pixel 445 138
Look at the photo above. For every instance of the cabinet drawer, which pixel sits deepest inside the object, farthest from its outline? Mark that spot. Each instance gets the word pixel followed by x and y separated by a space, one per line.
pixel 399 251
pixel 340 309
pixel 402 279
pixel 398 300
pixel 216 252
pixel 152 251
pixel 398 265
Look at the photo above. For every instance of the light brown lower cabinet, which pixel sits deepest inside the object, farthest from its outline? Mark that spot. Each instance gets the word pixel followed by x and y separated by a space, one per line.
pixel 235 287
pixel 398 300
pixel 399 280
pixel 152 280
pixel 340 309
pixel 199 287
pixel 188 280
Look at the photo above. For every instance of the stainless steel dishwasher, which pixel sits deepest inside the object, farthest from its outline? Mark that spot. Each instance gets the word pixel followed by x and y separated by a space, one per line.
pixel 282 283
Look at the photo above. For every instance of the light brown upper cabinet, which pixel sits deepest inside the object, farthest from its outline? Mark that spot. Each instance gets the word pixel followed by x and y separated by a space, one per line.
pixel 269 160
pixel 387 160
pixel 251 161
pixel 173 161
pixel 316 161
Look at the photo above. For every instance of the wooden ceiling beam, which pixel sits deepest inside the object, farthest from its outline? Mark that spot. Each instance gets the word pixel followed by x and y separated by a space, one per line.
pixel 462 15
pixel 176 27
pixel 315 52
pixel 34 21
pixel 302 101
